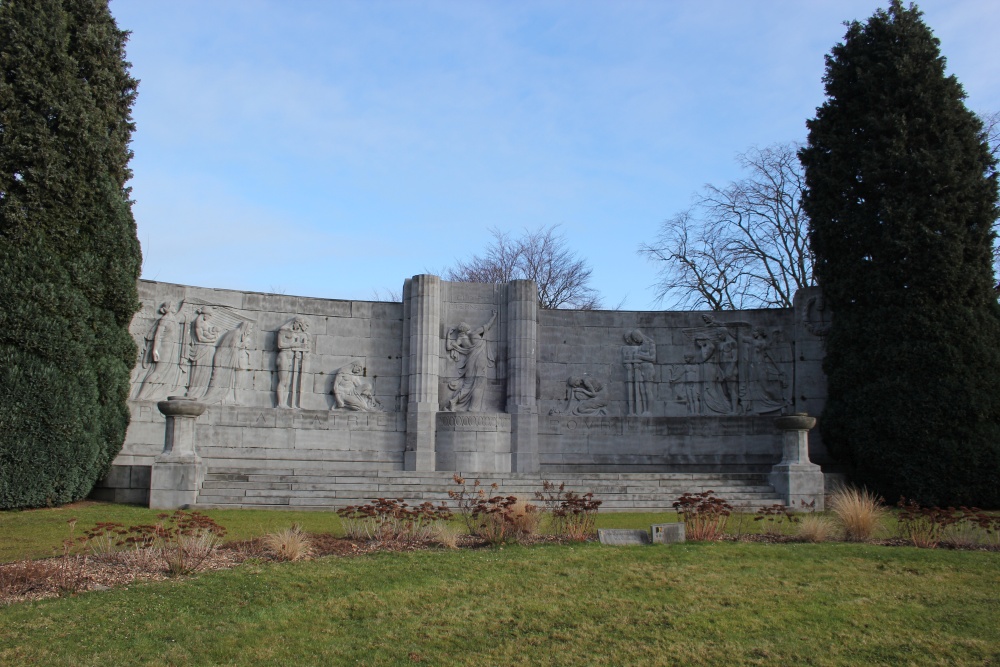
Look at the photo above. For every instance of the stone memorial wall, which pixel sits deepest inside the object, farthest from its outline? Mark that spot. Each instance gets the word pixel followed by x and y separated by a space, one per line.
pixel 471 377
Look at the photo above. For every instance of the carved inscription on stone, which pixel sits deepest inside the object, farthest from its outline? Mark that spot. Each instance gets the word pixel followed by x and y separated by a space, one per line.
pixel 739 370
pixel 584 396
pixel 468 347
pixel 351 391
pixel 638 355
pixel 293 342
pixel 161 357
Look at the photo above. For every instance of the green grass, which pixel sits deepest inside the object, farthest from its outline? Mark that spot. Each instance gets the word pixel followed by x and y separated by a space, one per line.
pixel 698 604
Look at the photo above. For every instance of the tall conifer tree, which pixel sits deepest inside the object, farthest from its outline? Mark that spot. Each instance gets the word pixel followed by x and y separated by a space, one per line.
pixel 69 255
pixel 901 194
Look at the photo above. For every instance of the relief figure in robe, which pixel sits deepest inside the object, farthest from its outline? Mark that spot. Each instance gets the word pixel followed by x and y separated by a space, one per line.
pixel 469 348
pixel 161 355
pixel 229 365
pixel 351 391
pixel 201 353
pixel 584 396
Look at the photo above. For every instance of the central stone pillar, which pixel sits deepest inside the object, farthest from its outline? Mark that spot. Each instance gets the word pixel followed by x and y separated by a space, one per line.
pixel 424 297
pixel 522 404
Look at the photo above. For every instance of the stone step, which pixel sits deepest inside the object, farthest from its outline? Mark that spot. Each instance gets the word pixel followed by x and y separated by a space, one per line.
pixel 328 489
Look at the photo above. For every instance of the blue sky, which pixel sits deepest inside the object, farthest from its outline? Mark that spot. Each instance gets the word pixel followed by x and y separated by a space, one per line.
pixel 332 148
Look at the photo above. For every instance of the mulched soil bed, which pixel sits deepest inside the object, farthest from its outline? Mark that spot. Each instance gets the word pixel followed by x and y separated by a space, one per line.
pixel 26 580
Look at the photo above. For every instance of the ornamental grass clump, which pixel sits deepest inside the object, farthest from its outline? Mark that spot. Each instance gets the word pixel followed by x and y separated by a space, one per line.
pixel 704 515
pixel 859 511
pixel 290 544
pixel 814 528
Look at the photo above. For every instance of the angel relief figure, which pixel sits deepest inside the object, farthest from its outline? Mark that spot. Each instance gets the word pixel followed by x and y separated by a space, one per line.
pixel 161 355
pixel 468 347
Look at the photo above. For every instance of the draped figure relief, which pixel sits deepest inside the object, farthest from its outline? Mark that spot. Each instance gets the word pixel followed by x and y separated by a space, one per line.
pixel 468 347
pixel 584 396
pixel 351 391
pixel 161 356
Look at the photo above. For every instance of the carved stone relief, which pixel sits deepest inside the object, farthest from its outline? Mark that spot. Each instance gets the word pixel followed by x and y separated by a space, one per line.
pixel 585 396
pixel 816 318
pixel 351 391
pixel 468 347
pixel 638 355
pixel 293 342
pixel 161 357
pixel 688 376
pixel 230 365
pixel 739 370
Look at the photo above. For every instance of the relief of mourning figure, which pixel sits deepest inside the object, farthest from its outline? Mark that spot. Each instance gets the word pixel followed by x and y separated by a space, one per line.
pixel 584 396
pixel 688 376
pixel 293 347
pixel 161 355
pixel 469 348
pixel 638 355
pixel 351 391
pixel 201 353
pixel 767 381
pixel 230 365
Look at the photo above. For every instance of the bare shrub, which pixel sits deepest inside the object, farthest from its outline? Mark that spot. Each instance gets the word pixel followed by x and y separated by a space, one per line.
pixel 815 528
pixel 773 518
pixel 859 511
pixel 704 515
pixel 392 519
pixel 290 544
pixel 574 515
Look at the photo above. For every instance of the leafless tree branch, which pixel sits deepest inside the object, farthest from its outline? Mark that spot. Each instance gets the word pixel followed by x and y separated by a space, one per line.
pixel 540 255
pixel 741 246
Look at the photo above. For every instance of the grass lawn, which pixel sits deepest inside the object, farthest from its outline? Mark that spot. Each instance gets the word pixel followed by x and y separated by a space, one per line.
pixel 697 603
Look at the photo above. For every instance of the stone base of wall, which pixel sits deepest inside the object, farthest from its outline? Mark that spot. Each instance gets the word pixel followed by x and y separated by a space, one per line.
pixel 126 484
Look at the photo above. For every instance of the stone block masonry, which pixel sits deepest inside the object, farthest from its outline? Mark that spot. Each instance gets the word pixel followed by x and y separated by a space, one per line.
pixel 472 377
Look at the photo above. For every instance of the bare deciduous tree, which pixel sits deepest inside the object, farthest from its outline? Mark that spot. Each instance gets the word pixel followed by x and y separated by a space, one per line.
pixel 741 246
pixel 539 255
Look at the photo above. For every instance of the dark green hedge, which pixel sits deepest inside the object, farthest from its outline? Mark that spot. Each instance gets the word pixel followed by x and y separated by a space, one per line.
pixel 69 255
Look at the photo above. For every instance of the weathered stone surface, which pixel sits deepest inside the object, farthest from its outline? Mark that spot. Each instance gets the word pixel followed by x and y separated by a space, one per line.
pixel 667 533
pixel 548 392
pixel 622 536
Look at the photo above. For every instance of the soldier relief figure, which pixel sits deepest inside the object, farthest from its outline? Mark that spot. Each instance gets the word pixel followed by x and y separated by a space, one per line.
pixel 293 346
pixel 469 348
pixel 351 391
pixel 638 355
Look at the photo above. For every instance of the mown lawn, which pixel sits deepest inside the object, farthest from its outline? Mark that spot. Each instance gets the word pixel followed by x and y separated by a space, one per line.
pixel 696 603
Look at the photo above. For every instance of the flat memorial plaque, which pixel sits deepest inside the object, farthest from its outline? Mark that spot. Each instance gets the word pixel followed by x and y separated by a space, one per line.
pixel 622 536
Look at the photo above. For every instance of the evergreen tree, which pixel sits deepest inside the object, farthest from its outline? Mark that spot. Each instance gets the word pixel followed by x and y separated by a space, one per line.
pixel 69 255
pixel 901 195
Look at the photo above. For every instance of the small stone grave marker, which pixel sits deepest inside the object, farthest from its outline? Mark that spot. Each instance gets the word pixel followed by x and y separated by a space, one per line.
pixel 622 536
pixel 667 533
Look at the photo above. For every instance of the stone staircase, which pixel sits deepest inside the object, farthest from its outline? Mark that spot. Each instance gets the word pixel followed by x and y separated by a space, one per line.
pixel 325 490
